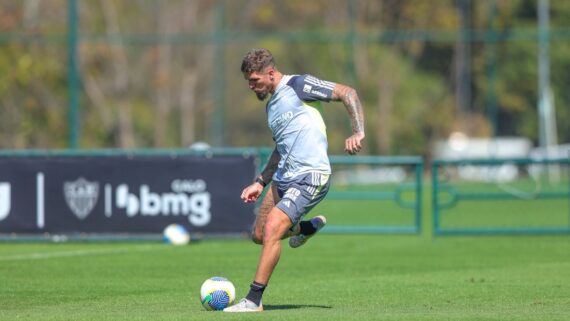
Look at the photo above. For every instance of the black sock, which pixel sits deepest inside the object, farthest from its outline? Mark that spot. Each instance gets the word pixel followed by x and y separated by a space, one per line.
pixel 307 228
pixel 255 292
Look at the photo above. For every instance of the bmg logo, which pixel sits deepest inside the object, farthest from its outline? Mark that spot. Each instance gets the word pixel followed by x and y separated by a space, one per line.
pixel 4 200
pixel 196 205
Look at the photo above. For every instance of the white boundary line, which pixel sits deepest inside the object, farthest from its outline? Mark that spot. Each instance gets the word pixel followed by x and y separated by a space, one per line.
pixel 73 253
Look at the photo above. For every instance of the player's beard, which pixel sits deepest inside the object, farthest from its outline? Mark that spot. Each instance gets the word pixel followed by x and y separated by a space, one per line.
pixel 261 96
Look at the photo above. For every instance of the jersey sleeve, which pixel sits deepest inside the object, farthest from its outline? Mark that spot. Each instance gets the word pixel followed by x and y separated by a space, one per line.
pixel 310 88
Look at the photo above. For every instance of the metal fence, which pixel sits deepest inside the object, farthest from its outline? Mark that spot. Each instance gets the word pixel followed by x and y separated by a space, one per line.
pixel 501 196
pixel 390 188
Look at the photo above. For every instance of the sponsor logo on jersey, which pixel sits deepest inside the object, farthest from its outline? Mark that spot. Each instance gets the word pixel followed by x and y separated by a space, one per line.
pixel 307 88
pixel 318 93
pixel 281 119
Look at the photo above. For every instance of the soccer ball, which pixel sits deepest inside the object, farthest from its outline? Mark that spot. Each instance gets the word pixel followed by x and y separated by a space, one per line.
pixel 217 293
pixel 176 234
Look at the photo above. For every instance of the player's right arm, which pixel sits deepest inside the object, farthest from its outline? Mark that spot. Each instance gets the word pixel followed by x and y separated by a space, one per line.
pixel 252 192
pixel 270 167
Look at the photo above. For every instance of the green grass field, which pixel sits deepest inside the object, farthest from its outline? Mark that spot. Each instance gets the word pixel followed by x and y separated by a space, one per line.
pixel 334 277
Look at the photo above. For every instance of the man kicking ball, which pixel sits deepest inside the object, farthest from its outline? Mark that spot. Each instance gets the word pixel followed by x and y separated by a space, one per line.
pixel 298 170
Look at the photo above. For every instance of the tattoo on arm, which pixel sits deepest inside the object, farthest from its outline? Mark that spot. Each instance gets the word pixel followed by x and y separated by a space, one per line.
pixel 350 99
pixel 270 167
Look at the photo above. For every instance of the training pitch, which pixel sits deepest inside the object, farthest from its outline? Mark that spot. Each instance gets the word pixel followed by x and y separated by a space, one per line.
pixel 332 277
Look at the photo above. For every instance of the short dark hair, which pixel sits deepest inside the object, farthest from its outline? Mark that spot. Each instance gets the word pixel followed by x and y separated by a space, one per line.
pixel 257 60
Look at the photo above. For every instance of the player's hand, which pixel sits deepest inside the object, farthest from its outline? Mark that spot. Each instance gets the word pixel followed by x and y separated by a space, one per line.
pixel 353 144
pixel 251 193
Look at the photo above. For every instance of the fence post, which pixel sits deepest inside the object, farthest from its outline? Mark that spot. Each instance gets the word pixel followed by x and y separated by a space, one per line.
pixel 434 196
pixel 73 74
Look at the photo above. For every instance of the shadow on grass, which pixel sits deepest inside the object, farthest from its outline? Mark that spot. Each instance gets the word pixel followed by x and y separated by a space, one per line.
pixel 294 306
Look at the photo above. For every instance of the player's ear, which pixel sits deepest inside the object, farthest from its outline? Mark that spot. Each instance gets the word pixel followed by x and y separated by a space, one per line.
pixel 271 73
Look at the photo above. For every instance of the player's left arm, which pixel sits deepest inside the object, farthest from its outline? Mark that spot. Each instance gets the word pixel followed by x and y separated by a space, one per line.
pixel 252 192
pixel 349 98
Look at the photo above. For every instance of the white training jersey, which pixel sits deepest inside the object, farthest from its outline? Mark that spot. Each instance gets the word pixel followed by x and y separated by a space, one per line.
pixel 298 129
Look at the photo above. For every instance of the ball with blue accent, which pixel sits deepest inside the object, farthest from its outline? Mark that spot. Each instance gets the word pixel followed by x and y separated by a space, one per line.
pixel 217 293
pixel 176 234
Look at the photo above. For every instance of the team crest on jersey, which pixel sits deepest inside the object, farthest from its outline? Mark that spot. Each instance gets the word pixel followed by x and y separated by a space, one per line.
pixel 81 196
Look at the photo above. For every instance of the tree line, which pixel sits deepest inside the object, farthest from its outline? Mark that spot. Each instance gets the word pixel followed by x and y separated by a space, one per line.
pixel 161 74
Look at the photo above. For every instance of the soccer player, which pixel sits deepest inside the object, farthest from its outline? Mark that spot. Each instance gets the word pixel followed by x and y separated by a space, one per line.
pixel 298 169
